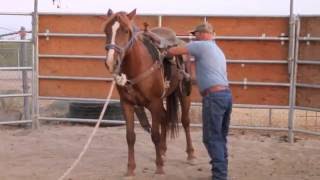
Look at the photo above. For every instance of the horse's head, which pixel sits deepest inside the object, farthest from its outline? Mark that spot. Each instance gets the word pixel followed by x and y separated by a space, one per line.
pixel 120 35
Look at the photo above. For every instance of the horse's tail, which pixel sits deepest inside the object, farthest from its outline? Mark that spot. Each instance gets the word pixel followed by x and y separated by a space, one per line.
pixel 143 119
pixel 172 114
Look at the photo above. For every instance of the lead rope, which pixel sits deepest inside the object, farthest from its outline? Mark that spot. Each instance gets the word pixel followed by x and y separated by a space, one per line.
pixel 91 136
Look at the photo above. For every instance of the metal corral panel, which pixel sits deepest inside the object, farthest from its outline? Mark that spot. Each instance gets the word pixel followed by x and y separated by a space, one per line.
pixel 72 46
pixel 83 23
pixel 73 67
pixel 238 26
pixel 250 26
pixel 231 26
pixel 309 74
pixel 262 95
pixel 262 50
pixel 255 72
pixel 181 25
pixel 71 24
pixel 258 72
pixel 233 49
pixel 310 25
pixel 152 21
pixel 76 88
pixel 308 97
pixel 64 36
pixel 308 70
pixel 309 50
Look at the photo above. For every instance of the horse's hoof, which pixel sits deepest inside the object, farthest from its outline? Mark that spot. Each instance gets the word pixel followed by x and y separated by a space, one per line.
pixel 128 177
pixel 159 171
pixel 164 157
pixel 159 176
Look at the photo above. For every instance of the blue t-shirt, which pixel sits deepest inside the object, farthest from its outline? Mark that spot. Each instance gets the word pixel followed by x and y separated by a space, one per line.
pixel 210 63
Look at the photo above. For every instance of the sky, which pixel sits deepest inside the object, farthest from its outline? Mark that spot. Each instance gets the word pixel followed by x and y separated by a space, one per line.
pixel 160 7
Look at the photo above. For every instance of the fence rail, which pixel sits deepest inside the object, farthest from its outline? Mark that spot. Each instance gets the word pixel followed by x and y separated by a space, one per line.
pixel 266 61
pixel 23 67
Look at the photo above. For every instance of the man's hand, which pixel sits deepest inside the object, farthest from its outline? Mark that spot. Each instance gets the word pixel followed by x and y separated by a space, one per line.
pixel 166 54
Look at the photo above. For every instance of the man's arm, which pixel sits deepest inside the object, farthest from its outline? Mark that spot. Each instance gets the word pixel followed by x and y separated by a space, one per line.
pixel 177 51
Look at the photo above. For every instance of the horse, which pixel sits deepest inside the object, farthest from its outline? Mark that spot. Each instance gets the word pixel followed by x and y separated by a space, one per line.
pixel 141 83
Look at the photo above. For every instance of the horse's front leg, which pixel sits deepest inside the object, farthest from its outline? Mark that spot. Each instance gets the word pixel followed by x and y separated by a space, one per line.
pixel 157 113
pixel 128 112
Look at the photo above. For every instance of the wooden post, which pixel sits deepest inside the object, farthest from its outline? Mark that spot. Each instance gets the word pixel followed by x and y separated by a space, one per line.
pixel 23 61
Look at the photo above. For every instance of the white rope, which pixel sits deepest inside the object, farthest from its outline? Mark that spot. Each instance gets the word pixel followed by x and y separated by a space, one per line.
pixel 91 136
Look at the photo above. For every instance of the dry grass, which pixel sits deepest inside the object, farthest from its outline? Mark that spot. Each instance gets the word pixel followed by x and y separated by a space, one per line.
pixel 12 103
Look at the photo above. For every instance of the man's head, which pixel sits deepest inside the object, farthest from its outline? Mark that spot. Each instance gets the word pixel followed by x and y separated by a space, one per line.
pixel 203 31
pixel 204 27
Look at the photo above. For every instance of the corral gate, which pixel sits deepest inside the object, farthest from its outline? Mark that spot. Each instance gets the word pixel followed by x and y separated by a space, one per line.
pixel 17 75
pixel 268 67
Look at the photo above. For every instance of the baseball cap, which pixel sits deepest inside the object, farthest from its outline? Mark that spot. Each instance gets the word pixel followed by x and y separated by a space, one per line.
pixel 204 27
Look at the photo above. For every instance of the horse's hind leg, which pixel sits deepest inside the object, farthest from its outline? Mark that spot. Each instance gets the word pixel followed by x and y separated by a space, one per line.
pixel 185 120
pixel 163 141
pixel 128 111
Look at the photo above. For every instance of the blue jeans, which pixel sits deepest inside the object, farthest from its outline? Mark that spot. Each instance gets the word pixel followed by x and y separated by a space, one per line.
pixel 216 111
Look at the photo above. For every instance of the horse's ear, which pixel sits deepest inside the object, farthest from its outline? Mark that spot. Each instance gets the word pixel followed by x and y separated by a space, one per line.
pixel 132 14
pixel 110 12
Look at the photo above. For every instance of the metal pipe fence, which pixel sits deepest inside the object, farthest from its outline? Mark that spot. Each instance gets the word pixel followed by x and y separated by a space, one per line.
pixel 295 84
pixel 15 70
pixel 293 62
pixel 292 65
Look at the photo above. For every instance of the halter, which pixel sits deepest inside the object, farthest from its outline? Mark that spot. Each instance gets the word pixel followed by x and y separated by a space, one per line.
pixel 121 79
pixel 122 50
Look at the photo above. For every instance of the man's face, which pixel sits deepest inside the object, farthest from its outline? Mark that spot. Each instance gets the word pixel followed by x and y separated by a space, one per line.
pixel 203 35
pixel 198 35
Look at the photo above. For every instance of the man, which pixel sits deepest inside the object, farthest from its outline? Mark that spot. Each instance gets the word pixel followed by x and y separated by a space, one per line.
pixel 211 75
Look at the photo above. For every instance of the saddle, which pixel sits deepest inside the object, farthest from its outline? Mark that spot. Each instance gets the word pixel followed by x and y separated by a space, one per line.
pixel 158 40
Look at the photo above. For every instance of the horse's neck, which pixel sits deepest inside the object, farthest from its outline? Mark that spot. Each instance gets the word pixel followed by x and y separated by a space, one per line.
pixel 138 59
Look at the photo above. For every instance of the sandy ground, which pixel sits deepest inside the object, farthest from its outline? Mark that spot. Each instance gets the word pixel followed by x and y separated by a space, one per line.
pixel 46 154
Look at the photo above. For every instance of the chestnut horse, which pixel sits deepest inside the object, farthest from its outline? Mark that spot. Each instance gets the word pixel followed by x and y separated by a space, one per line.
pixel 140 82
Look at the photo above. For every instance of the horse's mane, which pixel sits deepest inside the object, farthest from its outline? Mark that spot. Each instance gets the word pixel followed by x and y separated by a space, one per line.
pixel 155 54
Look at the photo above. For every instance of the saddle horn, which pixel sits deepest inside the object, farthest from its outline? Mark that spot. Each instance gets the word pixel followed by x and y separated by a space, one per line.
pixel 145 25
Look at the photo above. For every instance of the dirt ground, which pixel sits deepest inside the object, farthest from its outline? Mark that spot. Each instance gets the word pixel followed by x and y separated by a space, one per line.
pixel 46 154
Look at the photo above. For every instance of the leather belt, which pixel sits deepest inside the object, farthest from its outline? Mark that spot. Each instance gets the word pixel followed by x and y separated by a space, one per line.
pixel 212 89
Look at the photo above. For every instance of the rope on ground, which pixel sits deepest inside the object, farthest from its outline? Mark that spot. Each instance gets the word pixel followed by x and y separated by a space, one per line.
pixel 91 136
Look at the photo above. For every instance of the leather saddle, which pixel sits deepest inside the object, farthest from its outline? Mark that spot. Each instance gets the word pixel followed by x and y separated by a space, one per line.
pixel 158 40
